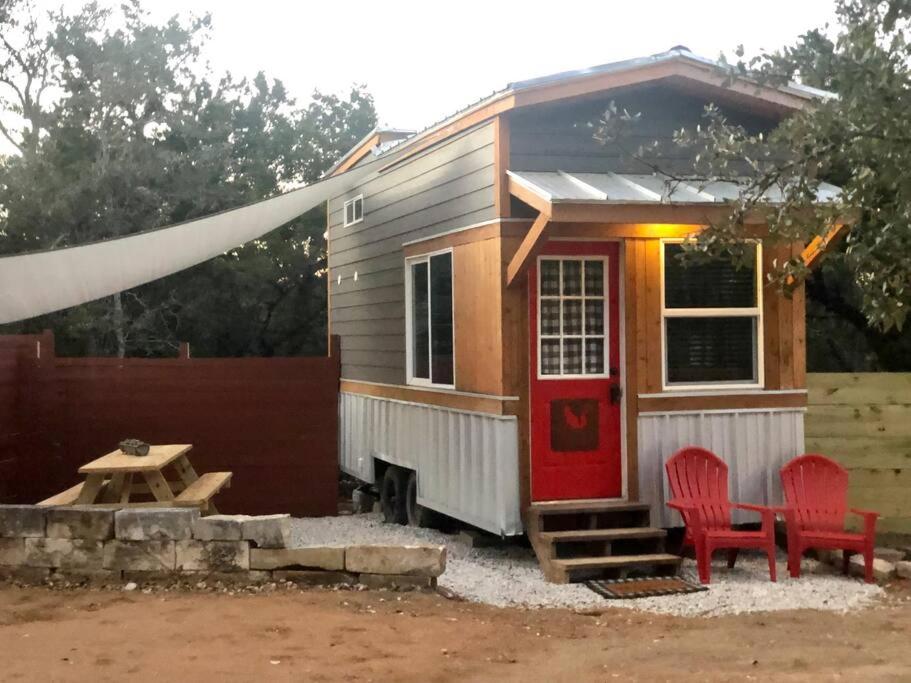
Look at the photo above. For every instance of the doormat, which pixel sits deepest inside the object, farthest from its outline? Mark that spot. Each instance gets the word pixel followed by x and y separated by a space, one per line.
pixel 644 587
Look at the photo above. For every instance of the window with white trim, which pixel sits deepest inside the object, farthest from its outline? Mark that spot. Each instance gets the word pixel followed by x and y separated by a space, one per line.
pixel 354 210
pixel 429 320
pixel 711 321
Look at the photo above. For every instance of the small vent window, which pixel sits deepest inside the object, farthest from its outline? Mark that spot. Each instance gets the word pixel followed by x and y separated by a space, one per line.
pixel 354 210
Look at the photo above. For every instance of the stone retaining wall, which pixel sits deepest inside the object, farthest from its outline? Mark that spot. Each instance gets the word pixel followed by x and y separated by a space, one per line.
pixel 106 545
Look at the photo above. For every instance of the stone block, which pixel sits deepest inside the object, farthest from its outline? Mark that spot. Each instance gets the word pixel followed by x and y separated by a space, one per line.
pixel 22 521
pixel 903 569
pixel 327 558
pixel 882 570
pixel 29 575
pixel 308 577
pixel 827 556
pixel 155 524
pixel 396 581
pixel 66 553
pixel 95 524
pixel 268 531
pixel 214 556
pixel 414 560
pixel 139 555
pixel 12 552
pixel 219 528
pixel 889 554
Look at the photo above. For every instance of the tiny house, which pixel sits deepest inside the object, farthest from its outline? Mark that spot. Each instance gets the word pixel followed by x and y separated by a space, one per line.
pixel 520 347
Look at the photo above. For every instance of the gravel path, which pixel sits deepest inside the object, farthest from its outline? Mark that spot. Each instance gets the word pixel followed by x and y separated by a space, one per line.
pixel 509 576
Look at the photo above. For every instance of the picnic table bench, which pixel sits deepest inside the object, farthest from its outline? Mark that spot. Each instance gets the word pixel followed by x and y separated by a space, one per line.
pixel 109 480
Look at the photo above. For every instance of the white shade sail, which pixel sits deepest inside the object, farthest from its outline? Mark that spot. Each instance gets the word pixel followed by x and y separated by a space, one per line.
pixel 42 282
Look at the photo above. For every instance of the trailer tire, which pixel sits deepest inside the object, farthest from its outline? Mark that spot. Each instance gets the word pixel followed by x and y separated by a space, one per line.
pixel 393 495
pixel 418 515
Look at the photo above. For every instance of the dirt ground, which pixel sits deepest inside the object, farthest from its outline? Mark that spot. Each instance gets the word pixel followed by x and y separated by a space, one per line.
pixel 322 635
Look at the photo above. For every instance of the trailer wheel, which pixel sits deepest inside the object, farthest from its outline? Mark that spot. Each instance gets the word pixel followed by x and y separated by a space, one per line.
pixel 418 515
pixel 393 495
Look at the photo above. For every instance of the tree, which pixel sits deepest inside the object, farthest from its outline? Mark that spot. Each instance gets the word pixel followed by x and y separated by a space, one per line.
pixel 140 135
pixel 860 140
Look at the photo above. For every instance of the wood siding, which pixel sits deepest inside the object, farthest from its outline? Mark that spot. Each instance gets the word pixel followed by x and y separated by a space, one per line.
pixel 557 136
pixel 444 188
pixel 864 422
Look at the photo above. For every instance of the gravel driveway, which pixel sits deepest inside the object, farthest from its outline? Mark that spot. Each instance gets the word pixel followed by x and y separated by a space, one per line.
pixel 509 576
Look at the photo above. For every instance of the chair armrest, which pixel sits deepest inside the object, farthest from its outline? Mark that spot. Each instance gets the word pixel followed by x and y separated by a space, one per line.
pixel 869 521
pixel 767 513
pixel 693 520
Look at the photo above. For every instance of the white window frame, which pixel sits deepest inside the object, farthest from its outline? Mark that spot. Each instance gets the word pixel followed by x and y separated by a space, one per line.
pixel 605 297
pixel 750 312
pixel 409 321
pixel 353 202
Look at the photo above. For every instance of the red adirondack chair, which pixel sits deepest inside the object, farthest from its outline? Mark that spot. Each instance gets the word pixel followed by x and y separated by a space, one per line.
pixel 816 495
pixel 699 483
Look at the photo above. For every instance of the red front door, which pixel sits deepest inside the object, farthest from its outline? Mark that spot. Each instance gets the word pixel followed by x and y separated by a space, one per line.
pixel 573 293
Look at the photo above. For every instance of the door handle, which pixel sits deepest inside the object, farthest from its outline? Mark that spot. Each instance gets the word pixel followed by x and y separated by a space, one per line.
pixel 616 393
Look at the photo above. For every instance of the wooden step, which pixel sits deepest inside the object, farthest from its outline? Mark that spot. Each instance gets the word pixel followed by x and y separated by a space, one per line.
pixel 569 507
pixel 584 535
pixel 563 571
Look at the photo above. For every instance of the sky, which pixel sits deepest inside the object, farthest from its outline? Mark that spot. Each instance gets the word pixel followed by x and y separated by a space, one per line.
pixel 424 60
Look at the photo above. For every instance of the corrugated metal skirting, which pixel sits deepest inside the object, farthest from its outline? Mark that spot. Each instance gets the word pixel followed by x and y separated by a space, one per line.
pixel 754 444
pixel 467 463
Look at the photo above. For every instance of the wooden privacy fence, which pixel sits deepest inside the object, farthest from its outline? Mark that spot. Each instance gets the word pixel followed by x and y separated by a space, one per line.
pixel 273 422
pixel 864 422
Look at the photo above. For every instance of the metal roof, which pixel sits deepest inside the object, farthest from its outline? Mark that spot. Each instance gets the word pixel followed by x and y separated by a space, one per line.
pixel 636 188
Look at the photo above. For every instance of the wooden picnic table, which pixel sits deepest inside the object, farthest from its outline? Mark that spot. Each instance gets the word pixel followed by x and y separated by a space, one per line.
pixel 110 480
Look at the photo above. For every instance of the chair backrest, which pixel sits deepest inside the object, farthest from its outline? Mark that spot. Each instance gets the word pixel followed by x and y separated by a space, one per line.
pixel 817 488
pixel 700 477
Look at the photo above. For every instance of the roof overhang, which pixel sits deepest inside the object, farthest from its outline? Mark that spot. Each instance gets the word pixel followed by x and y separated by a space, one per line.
pixel 612 198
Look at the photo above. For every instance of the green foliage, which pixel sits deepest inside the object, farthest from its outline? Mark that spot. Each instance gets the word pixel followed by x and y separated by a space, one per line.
pixel 139 134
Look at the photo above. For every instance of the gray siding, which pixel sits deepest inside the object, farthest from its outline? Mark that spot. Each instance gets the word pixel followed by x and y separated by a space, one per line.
pixel 558 137
pixel 447 187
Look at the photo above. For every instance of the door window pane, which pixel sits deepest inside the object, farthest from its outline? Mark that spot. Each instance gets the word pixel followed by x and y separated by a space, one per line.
pixel 594 356
pixel 594 278
pixel 550 356
pixel 550 278
pixel 572 278
pixel 572 356
pixel 550 316
pixel 701 350
pixel 594 316
pixel 572 316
